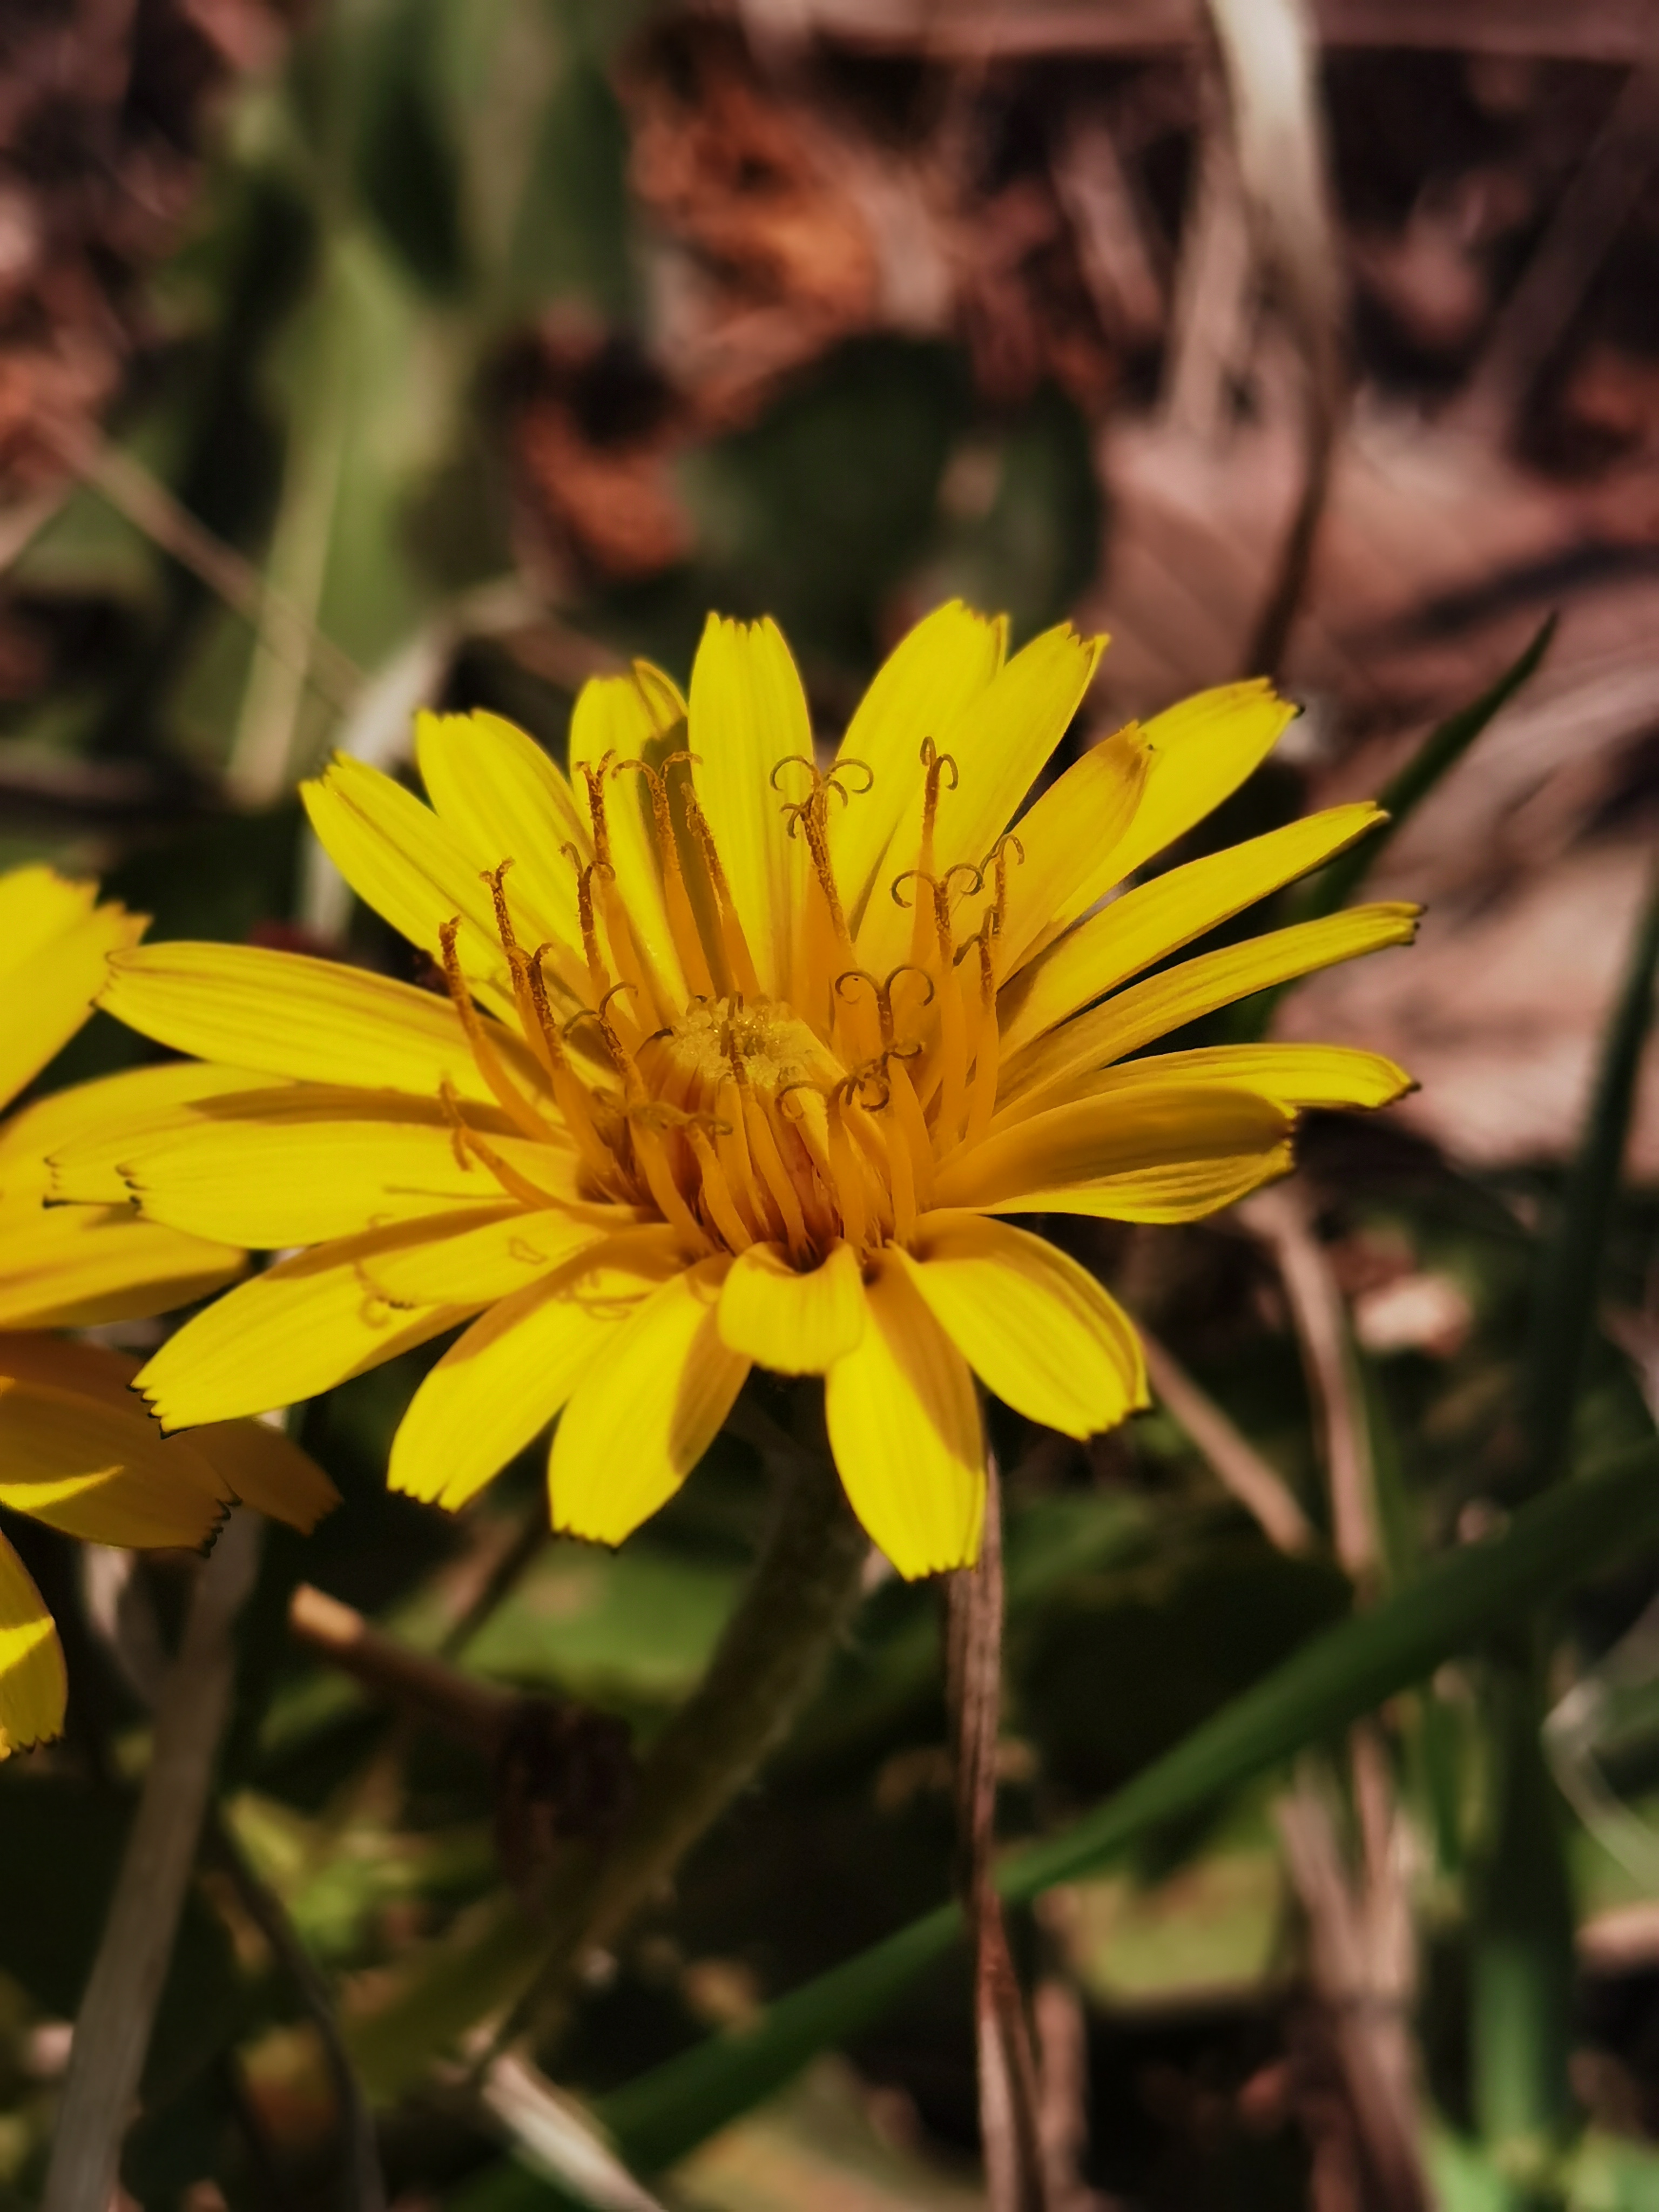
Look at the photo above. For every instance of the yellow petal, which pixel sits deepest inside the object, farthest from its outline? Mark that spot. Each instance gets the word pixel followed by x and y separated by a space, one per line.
pixel 502 798
pixel 1179 995
pixel 640 716
pixel 53 944
pixel 1035 1327
pixel 33 1685
pixel 248 1459
pixel 315 1020
pixel 1325 1075
pixel 1070 840
pixel 1145 1126
pixel 920 691
pixel 999 744
pixel 1156 919
pixel 904 1427
pixel 298 1167
pixel 92 1464
pixel 649 1408
pixel 298 1329
pixel 37 908
pixel 267 1470
pixel 101 1119
pixel 1202 751
pixel 514 1368
pixel 402 861
pixel 748 713
pixel 794 1323
pixel 72 1267
pixel 487 1259
pixel 1186 1190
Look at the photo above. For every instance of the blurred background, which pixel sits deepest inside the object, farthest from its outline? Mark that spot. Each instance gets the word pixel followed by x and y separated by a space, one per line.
pixel 356 354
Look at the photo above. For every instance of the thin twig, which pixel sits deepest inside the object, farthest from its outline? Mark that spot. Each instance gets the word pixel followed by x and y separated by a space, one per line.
pixel 528 1541
pixel 558 2136
pixel 475 1712
pixel 147 504
pixel 1362 1953
pixel 1010 2124
pixel 1270 49
pixel 1212 288
pixel 1233 1459
pixel 22 523
pixel 1361 1947
pixel 1530 325
pixel 1279 1217
pixel 365 2187
pixel 1062 2037
pixel 112 2027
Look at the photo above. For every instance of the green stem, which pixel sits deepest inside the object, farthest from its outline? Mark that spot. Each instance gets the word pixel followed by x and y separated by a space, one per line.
pixel 1521 1954
pixel 766 1665
pixel 769 1660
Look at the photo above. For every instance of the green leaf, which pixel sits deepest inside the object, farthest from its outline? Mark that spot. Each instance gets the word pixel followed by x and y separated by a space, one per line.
pixel 1439 752
pixel 1564 1309
pixel 1455 1602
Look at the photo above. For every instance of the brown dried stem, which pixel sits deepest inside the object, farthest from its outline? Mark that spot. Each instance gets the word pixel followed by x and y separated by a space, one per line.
pixel 1011 2132
pixel 112 2027
pixel 1233 1459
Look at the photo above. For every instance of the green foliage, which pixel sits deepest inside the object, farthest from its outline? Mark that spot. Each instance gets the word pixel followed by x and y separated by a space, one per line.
pixel 420 184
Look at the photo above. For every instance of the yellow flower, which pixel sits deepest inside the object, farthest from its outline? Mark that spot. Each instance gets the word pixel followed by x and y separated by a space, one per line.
pixel 739 1064
pixel 78 1450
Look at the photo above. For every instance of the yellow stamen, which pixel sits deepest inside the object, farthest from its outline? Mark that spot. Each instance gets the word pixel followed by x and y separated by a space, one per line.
pixel 732 1146
pixel 717 1192
pixel 982 1097
pixel 997 860
pixel 677 900
pixel 900 1167
pixel 740 964
pixel 949 1064
pixel 511 1099
pixel 847 1176
pixel 615 1044
pixel 906 1107
pixel 645 1121
pixel 598 976
pixel 935 763
pixel 593 775
pixel 773 1174
pixel 871 1154
pixel 516 961
pixel 467 1142
pixel 569 1092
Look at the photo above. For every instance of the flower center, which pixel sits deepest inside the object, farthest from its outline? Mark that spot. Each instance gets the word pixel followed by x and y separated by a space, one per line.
pixel 737 1117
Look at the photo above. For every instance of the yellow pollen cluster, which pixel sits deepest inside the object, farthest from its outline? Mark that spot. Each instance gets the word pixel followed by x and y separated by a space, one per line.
pixel 742 1119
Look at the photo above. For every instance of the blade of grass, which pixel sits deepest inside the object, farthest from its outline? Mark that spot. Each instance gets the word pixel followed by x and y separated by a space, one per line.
pixel 1400 799
pixel 1564 1301
pixel 1405 791
pixel 1457 1601
pixel 1521 1965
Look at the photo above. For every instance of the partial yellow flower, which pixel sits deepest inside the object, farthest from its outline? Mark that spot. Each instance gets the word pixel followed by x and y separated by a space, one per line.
pixel 70 1266
pixel 77 1448
pixel 742 1063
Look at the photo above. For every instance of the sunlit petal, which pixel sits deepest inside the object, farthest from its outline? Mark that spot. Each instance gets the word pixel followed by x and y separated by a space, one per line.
pixel 647 1408
pixel 33 1685
pixel 1035 1327
pixel 904 1426
pixel 794 1321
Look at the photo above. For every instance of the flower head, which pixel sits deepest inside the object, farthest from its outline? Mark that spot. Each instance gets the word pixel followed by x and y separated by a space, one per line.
pixel 740 1060
pixel 78 1450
